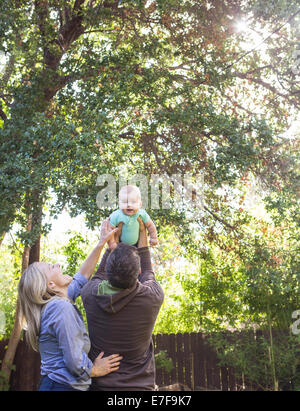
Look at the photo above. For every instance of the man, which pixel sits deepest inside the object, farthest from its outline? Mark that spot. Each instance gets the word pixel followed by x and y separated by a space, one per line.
pixel 122 302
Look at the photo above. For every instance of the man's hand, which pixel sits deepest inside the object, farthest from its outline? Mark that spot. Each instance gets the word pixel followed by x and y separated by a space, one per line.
pixel 103 366
pixel 143 240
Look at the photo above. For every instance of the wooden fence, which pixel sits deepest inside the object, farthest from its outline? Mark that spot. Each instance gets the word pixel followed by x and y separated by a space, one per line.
pixel 26 372
pixel 195 364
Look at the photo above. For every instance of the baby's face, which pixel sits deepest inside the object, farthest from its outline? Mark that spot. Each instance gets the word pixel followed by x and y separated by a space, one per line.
pixel 129 203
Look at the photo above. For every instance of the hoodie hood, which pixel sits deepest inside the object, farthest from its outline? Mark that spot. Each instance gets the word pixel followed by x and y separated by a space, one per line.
pixel 105 288
pixel 112 299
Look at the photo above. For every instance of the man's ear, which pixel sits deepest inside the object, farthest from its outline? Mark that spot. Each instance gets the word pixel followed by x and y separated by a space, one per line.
pixel 140 271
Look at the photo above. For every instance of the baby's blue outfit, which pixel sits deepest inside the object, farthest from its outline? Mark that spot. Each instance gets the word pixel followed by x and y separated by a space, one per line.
pixel 131 227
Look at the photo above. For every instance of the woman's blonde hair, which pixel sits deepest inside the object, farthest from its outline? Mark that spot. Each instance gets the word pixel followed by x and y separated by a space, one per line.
pixel 34 293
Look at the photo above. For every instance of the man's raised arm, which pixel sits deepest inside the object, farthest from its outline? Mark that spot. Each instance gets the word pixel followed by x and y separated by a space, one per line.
pixel 147 272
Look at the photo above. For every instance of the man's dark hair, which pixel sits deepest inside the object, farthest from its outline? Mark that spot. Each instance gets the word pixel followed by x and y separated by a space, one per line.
pixel 123 266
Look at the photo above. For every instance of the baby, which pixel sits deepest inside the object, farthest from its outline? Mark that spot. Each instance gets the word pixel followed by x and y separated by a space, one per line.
pixel 130 203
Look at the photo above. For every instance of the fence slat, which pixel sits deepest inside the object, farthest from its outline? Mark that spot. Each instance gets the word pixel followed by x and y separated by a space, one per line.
pixel 187 360
pixel 231 379
pixel 158 371
pixel 212 369
pixel 198 361
pixel 224 378
pixel 216 372
pixel 180 356
pixel 27 369
pixel 172 354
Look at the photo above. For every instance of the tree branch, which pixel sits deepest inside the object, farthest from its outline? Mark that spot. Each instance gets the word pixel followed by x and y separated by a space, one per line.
pixel 78 5
pixel 267 86
pixel 216 217
pixel 3 115
pixel 8 71
pixel 238 105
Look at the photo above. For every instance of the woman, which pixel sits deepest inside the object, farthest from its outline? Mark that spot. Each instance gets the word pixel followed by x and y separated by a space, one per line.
pixel 55 326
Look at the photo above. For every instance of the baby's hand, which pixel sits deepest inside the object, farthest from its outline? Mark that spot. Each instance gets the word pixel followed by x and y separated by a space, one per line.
pixel 153 241
pixel 153 233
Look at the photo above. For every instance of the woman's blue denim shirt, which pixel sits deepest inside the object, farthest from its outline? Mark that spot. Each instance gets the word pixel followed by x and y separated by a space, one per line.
pixel 63 342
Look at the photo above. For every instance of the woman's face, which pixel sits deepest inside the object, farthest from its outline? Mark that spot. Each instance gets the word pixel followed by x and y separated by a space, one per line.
pixel 56 279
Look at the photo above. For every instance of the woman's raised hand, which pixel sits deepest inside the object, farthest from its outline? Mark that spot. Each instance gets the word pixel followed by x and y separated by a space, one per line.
pixel 107 232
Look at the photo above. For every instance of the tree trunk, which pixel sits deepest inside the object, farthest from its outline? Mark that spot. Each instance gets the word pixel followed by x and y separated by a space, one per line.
pixel 30 374
pixel 2 238
pixel 25 256
pixel 12 345
pixel 34 254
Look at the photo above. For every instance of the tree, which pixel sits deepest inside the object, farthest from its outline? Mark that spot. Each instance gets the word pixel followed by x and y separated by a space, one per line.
pixel 160 86
pixel 66 111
